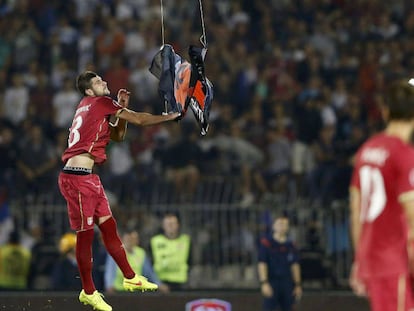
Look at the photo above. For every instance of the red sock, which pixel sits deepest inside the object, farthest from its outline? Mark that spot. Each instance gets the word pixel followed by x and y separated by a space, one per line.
pixel 84 241
pixel 115 248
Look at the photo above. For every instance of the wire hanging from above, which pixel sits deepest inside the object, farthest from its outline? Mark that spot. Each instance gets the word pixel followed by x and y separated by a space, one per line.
pixel 162 22
pixel 203 38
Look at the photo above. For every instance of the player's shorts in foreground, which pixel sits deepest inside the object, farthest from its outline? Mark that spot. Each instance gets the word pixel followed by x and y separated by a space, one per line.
pixel 86 199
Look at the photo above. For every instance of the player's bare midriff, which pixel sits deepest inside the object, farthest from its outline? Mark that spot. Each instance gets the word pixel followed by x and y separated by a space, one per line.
pixel 84 160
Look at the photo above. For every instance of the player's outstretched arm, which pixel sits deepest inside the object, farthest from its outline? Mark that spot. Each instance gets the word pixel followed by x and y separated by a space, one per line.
pixel 144 118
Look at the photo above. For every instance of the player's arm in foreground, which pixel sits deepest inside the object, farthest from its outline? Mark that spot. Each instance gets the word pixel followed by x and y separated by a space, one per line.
pixel 355 210
pixel 408 205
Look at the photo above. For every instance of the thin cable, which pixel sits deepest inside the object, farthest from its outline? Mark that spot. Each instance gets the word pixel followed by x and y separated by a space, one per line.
pixel 165 112
pixel 203 38
pixel 162 22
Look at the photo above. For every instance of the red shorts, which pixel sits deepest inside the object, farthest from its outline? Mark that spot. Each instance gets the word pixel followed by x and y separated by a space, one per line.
pixel 86 199
pixel 391 293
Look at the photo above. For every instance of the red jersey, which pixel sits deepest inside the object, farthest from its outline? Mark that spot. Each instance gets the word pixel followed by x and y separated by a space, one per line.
pixel 90 131
pixel 384 174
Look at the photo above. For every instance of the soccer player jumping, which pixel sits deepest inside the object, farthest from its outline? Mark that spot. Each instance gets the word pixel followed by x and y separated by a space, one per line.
pixel 382 208
pixel 98 118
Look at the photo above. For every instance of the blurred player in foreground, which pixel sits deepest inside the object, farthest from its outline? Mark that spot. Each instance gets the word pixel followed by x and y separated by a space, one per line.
pixel 98 118
pixel 382 208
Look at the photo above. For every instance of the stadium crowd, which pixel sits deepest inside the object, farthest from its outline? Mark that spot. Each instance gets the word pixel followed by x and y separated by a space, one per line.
pixel 297 89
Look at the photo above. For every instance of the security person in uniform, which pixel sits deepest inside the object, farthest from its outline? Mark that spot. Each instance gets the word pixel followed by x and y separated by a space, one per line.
pixel 171 252
pixel 14 264
pixel 279 269
pixel 137 258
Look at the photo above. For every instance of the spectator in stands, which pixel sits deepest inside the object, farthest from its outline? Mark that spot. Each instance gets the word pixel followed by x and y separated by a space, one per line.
pixel 65 275
pixel 5 47
pixel 41 107
pixel 117 75
pixel 276 172
pixel 345 152
pixel 110 42
pixel 143 83
pixel 7 157
pixel 26 42
pixel 86 53
pixel 171 253
pixel 35 161
pixel 121 173
pixel 14 264
pixel 67 36
pixel 307 126
pixel 339 95
pixel 31 76
pixel 253 125
pixel 321 177
pixel 16 100
pixel 6 220
pixel 313 263
pixel 181 162
pixel 242 157
pixel 99 259
pixel 53 55
pixel 59 73
pixel 279 269
pixel 64 102
pixel 238 242
pixel 138 260
pixel 134 42
pixel 44 254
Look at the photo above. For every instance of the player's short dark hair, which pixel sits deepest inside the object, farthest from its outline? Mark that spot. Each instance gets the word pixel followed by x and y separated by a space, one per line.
pixel 83 82
pixel 399 99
